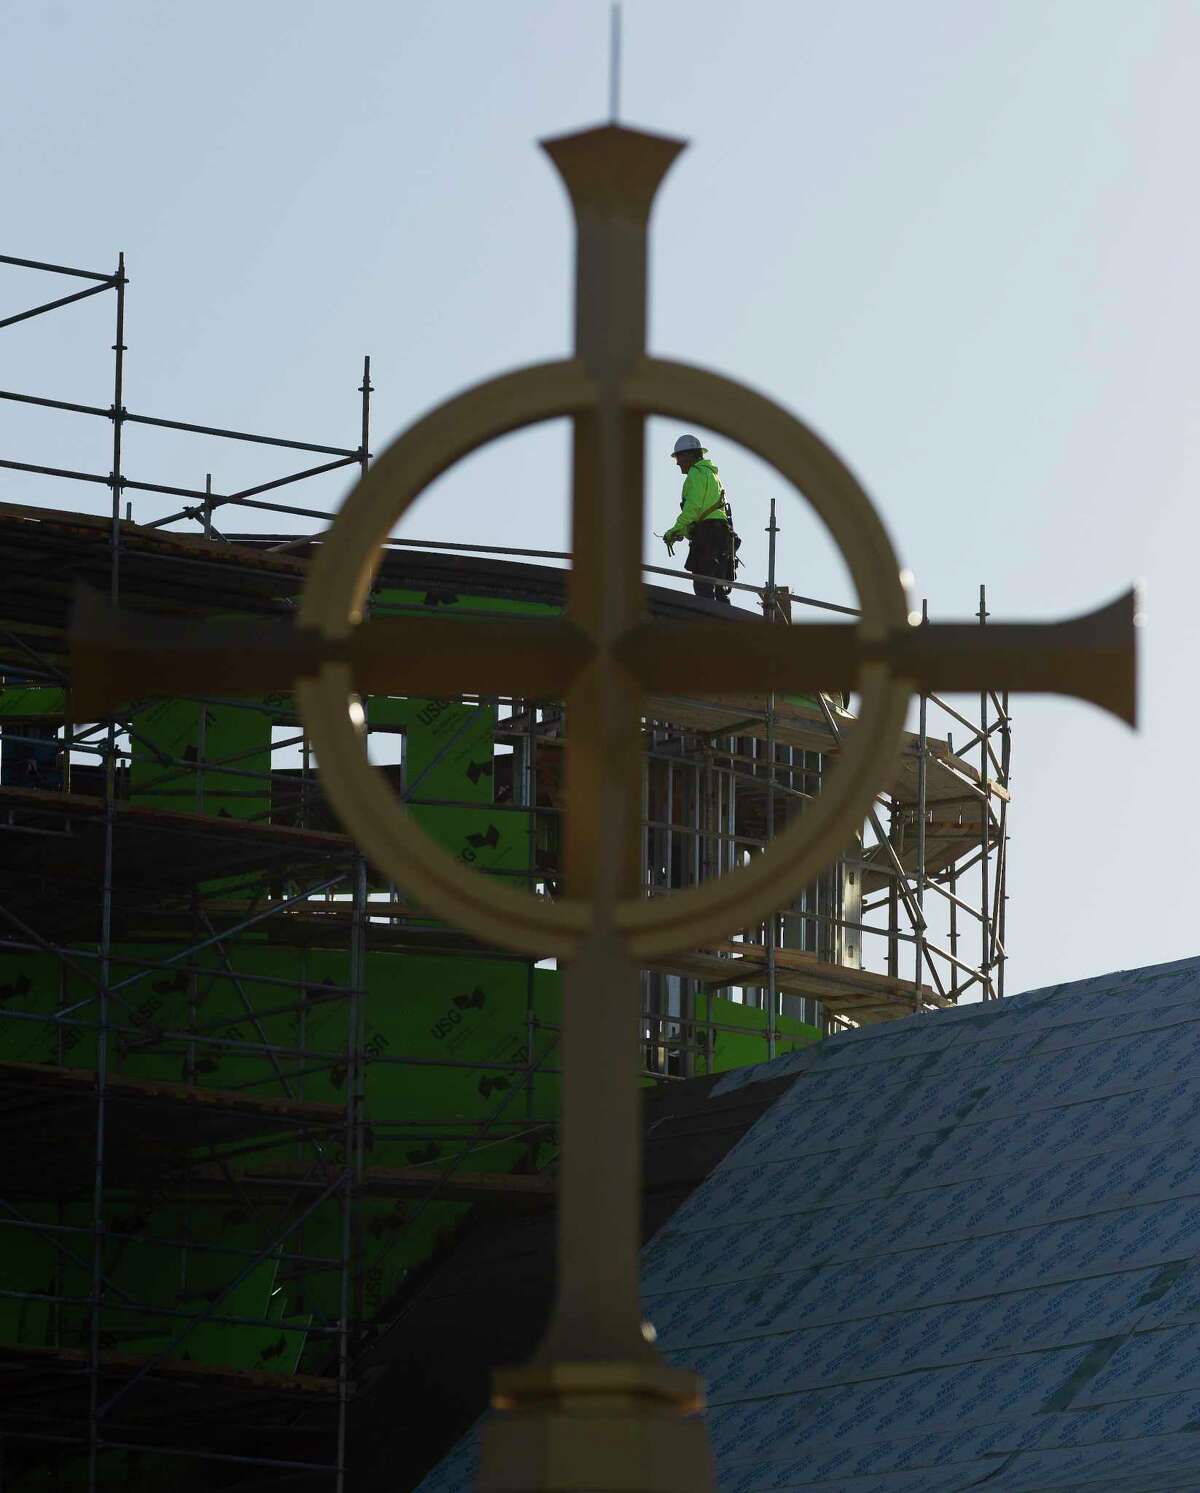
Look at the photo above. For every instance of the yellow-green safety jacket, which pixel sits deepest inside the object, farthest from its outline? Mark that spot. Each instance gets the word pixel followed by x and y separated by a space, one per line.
pixel 703 498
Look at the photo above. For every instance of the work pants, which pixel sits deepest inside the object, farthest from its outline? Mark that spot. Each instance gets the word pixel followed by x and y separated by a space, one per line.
pixel 711 554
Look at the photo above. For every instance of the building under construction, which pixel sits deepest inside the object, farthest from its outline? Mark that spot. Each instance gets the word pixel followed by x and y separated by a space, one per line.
pixel 279 1171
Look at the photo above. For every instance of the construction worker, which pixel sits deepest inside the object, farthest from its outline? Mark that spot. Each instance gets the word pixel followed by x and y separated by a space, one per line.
pixel 705 521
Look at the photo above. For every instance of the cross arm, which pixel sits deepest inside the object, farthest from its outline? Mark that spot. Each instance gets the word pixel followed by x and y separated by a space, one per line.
pixel 1092 657
pixel 118 656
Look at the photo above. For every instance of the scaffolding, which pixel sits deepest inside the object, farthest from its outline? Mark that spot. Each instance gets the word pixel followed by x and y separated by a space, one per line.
pixel 191 952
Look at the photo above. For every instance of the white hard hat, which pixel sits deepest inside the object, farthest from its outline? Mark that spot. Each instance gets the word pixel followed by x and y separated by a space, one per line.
pixel 688 443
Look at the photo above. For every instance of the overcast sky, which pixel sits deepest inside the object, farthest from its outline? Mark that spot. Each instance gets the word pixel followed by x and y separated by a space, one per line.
pixel 960 239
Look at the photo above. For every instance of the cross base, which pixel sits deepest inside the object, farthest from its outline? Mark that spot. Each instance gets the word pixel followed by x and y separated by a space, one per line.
pixel 617 1427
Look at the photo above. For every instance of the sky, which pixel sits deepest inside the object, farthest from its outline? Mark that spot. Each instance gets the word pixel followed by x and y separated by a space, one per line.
pixel 958 240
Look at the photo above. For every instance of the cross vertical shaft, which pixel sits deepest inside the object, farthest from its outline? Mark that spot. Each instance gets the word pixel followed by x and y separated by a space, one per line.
pixel 611 178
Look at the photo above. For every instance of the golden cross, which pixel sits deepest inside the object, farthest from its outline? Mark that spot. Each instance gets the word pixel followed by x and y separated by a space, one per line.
pixel 597 1396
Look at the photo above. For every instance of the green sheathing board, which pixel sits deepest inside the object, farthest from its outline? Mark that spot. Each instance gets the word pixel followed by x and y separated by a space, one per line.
pixel 182 731
pixel 475 1012
pixel 449 753
pixel 448 770
pixel 397 600
pixel 740 1049
pixel 25 702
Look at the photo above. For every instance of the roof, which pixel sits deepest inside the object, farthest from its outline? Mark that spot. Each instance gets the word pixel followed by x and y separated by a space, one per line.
pixel 960 1250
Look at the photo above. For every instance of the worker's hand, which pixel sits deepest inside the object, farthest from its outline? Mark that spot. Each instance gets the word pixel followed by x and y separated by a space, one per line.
pixel 670 546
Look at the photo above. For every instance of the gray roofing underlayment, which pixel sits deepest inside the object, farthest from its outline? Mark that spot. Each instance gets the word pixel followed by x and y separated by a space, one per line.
pixel 961 1251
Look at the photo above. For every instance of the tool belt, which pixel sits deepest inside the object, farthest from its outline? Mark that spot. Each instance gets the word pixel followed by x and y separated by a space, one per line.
pixel 712 549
